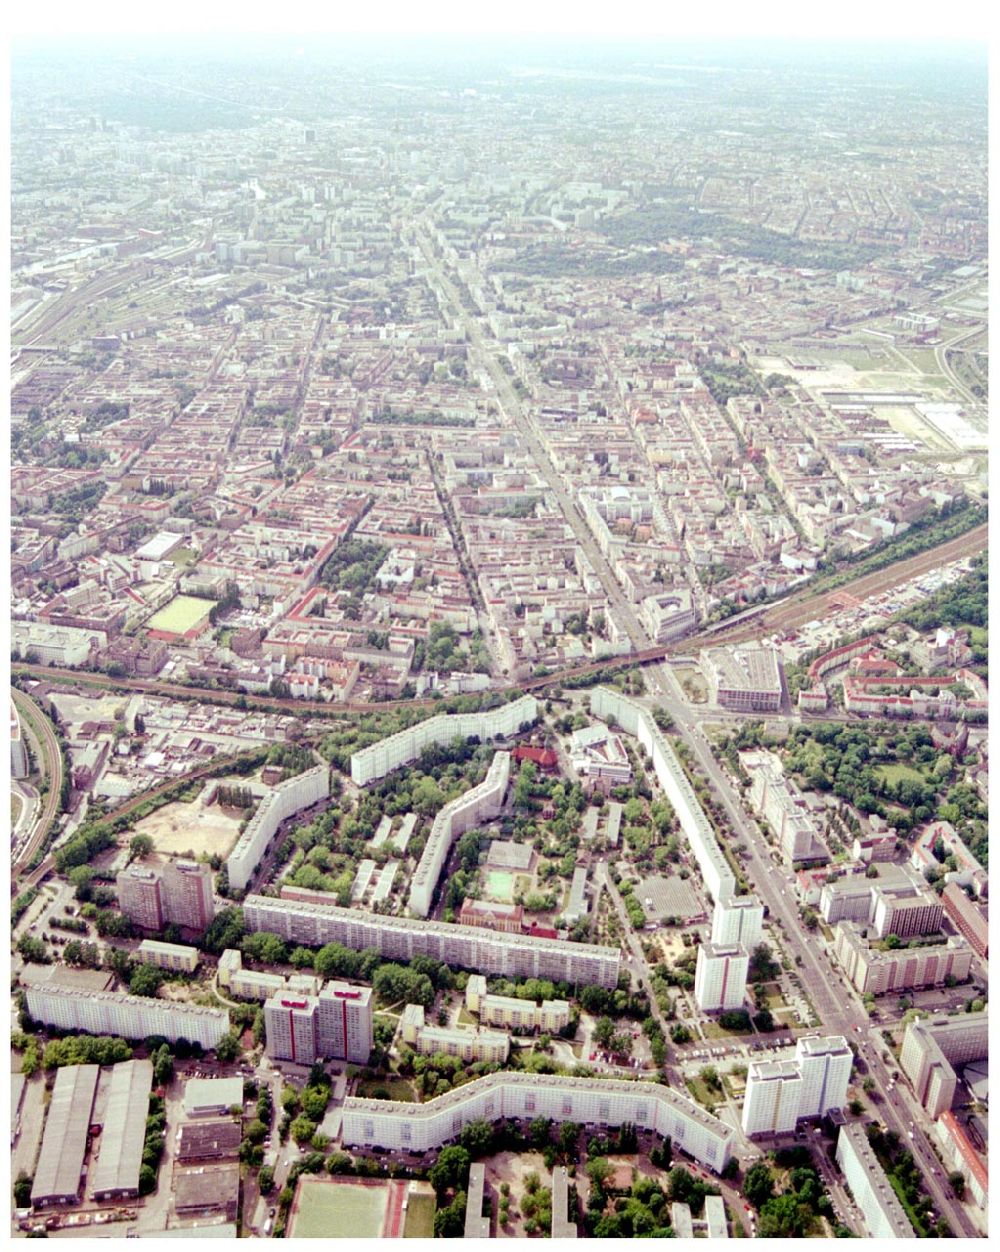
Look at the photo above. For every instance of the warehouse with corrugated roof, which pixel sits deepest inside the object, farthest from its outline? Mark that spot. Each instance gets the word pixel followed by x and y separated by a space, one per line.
pixel 64 1144
pixel 124 1130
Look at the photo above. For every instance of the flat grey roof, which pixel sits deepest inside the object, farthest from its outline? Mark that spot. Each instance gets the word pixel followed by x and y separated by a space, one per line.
pixel 476 1225
pixel 64 1144
pixel 124 1130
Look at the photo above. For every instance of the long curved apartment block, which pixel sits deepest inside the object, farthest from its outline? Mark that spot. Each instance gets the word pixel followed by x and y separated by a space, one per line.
pixel 715 870
pixel 287 798
pixel 461 814
pixel 398 1126
pixel 400 749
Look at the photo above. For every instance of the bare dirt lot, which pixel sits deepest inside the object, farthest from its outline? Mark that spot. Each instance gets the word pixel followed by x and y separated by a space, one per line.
pixel 197 828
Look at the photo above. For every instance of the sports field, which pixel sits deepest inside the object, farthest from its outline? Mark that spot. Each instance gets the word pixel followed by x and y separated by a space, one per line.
pixel 500 885
pixel 181 615
pixel 333 1209
pixel 420 1212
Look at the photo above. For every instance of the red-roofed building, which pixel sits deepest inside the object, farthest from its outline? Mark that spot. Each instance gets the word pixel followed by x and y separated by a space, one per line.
pixel 544 758
pixel 963 1156
pixel 968 919
pixel 539 932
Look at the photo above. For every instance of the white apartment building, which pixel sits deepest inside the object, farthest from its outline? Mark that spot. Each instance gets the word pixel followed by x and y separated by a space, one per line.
pixel 825 1063
pixel 463 813
pixel 720 976
pixel 56 645
pixel 286 799
pixel 550 1016
pixel 131 1017
pixel 716 873
pixel 19 763
pixel 772 1099
pixel 173 956
pixel 336 1024
pixel 738 919
pixel 669 615
pixel 847 900
pixel 780 1093
pixel 256 984
pixel 597 753
pixel 875 971
pixel 932 1047
pixel 470 947
pixel 467 1042
pixel 404 1127
pixel 884 1215
pixel 405 746
pixel 783 807
pixel 919 913
pixel 747 679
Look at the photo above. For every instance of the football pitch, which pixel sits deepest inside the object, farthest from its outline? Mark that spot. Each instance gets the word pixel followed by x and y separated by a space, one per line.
pixel 338 1210
pixel 182 614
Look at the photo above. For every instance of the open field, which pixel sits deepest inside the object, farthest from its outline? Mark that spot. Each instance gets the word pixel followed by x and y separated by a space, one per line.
pixel 420 1212
pixel 897 772
pixel 196 828
pixel 389 1089
pixel 334 1209
pixel 182 614
pixel 693 682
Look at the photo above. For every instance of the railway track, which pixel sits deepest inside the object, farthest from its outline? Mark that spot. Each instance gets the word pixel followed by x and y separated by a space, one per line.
pixel 40 725
pixel 794 611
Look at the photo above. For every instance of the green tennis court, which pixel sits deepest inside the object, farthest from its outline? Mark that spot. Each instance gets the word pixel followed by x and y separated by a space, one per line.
pixel 500 885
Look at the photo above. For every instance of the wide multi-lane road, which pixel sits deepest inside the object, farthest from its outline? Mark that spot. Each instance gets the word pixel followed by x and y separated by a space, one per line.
pixel 836 1004
pixel 837 1010
pixel 511 405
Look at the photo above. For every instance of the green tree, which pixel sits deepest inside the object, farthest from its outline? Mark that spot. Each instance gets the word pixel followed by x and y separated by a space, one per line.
pixel 22 1190
pixel 302 1129
pixel 599 1170
pixel 783 1217
pixel 758 1185
pixel 477 1137
pixel 145 980
pixel 450 1170
pixel 140 846
pixel 229 1047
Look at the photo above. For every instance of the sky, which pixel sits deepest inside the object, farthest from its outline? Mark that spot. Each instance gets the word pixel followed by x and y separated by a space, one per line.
pixel 846 19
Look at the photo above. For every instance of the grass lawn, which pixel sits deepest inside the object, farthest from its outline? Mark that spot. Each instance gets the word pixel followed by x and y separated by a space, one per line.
pixel 700 1092
pixel 16 804
pixel 389 1088
pixel 465 1018
pixel 183 556
pixel 897 772
pixel 182 614
pixel 419 1216
pixel 338 1210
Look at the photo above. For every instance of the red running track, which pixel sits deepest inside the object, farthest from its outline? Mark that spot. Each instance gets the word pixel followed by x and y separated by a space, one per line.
pixel 394 1211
